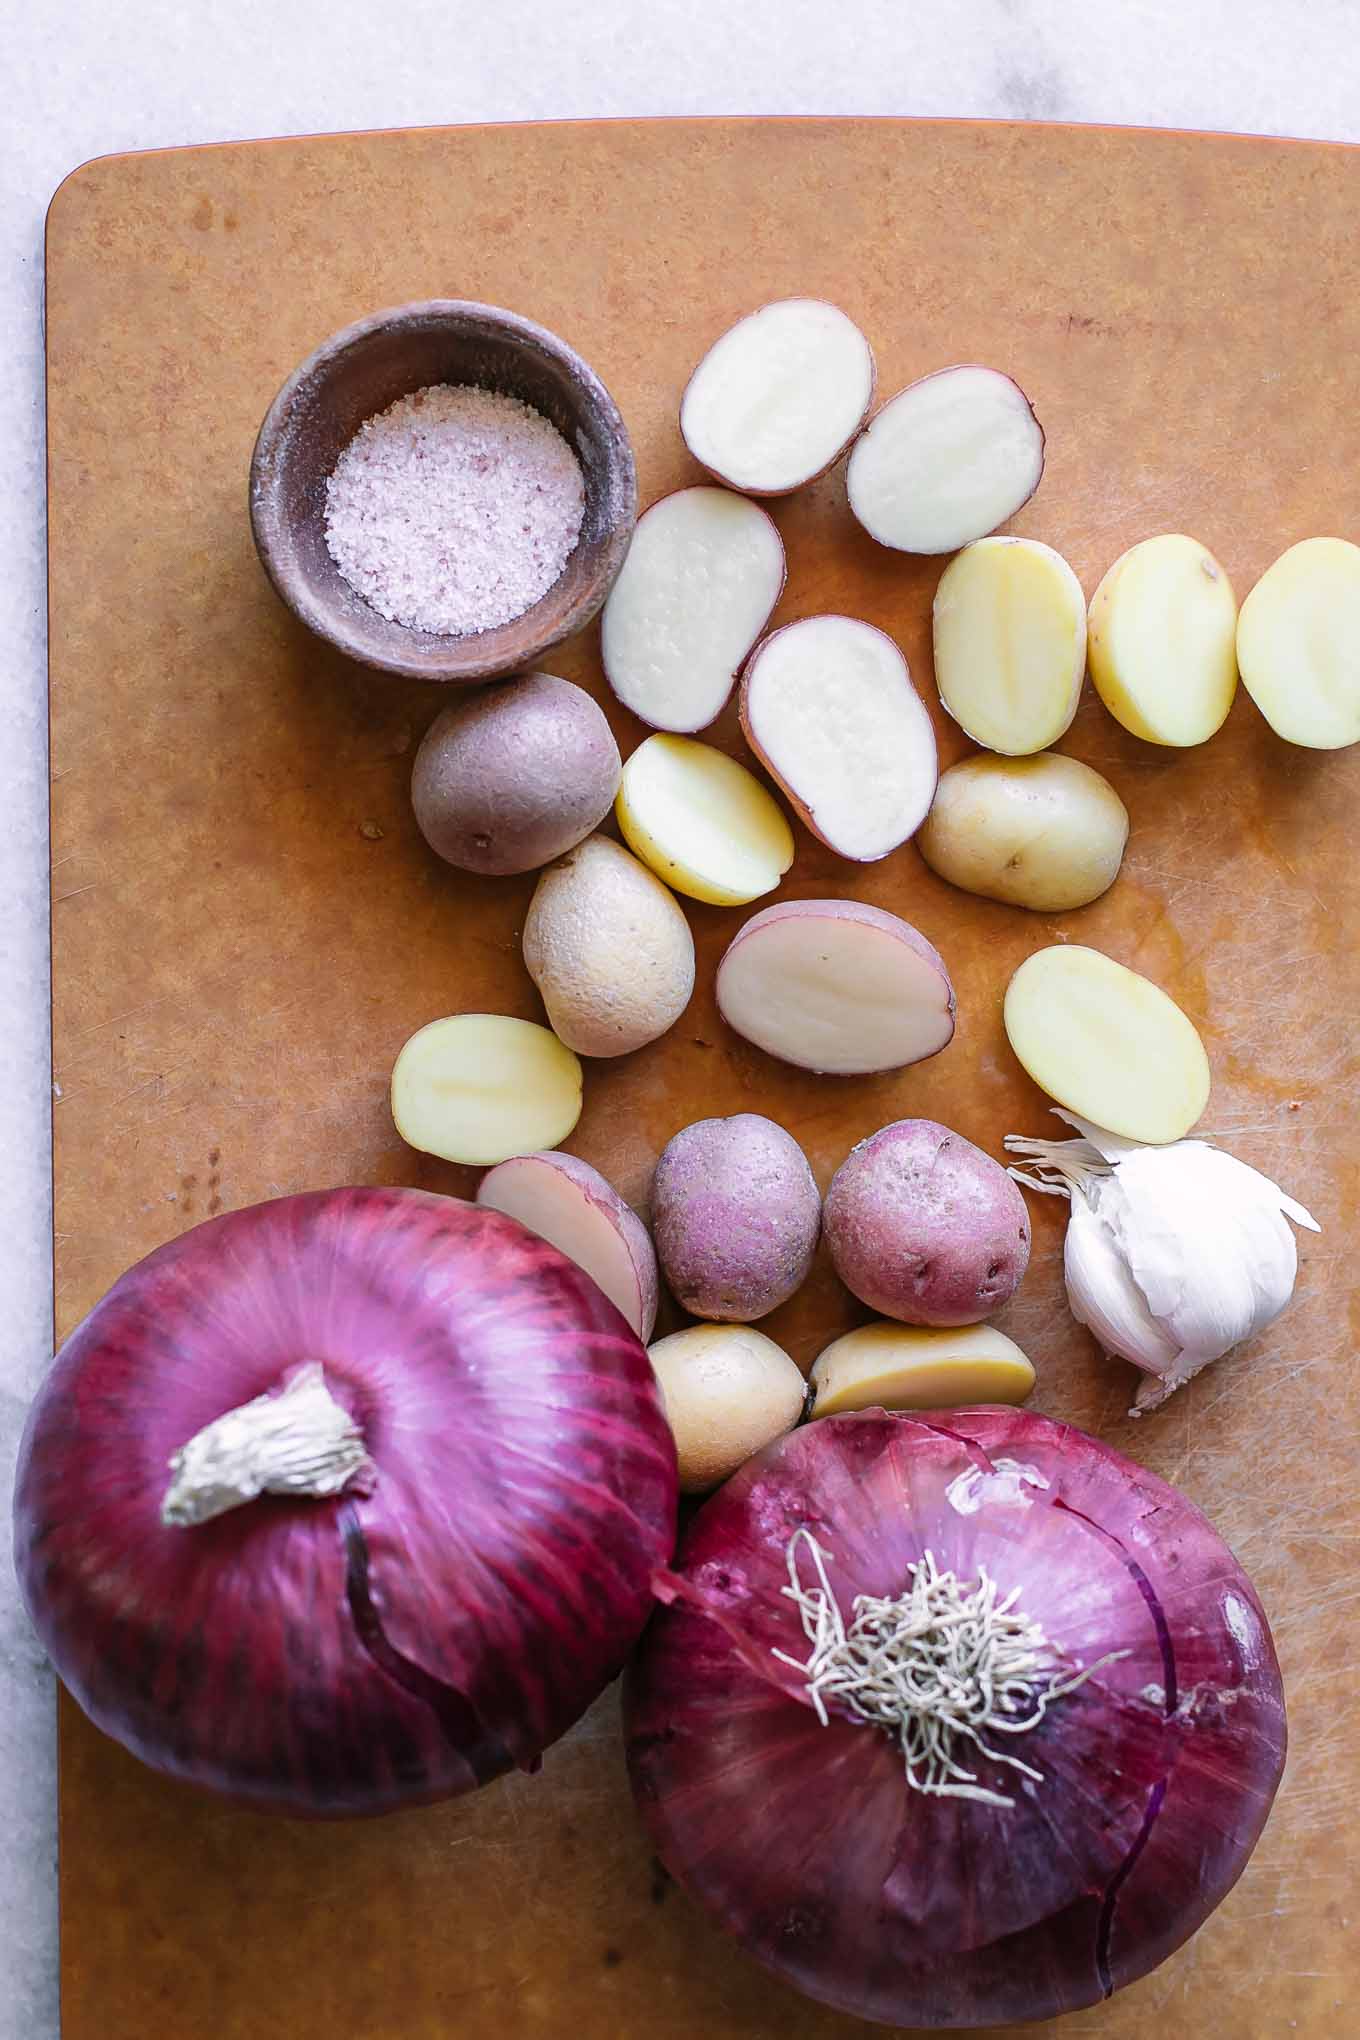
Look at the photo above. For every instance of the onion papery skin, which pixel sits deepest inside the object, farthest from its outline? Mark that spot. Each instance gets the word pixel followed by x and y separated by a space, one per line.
pixel 377 1649
pixel 805 1841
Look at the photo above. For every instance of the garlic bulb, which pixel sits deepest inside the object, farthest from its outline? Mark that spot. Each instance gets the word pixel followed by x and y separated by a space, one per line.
pixel 1173 1254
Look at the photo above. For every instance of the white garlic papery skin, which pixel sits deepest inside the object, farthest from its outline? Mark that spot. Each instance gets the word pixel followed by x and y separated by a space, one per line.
pixel 1173 1254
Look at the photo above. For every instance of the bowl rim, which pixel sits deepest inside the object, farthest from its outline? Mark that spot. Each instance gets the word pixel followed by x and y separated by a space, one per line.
pixel 273 531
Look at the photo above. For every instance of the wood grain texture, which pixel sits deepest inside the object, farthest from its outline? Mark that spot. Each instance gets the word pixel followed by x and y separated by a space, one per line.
pixel 247 924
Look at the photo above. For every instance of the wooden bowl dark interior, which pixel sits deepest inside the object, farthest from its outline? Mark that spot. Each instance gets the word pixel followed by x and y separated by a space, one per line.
pixel 360 371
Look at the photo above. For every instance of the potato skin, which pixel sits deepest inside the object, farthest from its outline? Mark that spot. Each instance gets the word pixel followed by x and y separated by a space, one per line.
pixel 609 949
pixel 736 1215
pixel 924 1227
pixel 1045 833
pixel 512 776
pixel 600 1192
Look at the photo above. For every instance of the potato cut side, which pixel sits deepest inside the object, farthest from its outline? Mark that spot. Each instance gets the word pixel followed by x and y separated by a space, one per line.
pixel 1047 833
pixel 1010 643
pixel 579 1212
pixel 480 1087
pixel 779 397
pixel 1298 644
pixel 889 1366
pixel 828 707
pixel 1161 641
pixel 836 986
pixel 702 575
pixel 946 460
pixel 1107 1044
pixel 702 821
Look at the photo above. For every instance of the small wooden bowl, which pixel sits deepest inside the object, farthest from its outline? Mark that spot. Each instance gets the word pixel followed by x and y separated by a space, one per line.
pixel 360 371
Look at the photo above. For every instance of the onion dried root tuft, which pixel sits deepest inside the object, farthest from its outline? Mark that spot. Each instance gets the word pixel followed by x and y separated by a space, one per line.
pixel 943 1665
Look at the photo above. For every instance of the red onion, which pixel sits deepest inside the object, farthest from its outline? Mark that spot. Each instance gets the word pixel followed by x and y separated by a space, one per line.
pixel 506 1487
pixel 1152 1778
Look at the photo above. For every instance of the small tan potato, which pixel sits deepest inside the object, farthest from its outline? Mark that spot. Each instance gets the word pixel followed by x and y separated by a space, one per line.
pixel 480 1087
pixel 886 1366
pixel 609 949
pixel 511 776
pixel 1045 833
pixel 728 1391
pixel 1298 644
pixel 1107 1043
pixel 1009 626
pixel 1161 641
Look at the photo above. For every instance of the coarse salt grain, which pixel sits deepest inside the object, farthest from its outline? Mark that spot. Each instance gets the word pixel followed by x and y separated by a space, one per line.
pixel 455 509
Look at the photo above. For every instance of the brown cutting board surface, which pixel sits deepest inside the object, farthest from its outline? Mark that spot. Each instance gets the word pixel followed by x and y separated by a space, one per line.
pixel 247 925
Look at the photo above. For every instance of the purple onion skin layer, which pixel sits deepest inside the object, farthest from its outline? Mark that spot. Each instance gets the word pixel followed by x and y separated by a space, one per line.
pixel 805 1841
pixel 351 1655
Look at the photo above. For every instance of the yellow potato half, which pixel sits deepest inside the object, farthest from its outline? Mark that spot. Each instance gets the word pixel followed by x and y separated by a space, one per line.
pixel 1010 643
pixel 1161 642
pixel 702 822
pixel 1298 644
pixel 480 1087
pixel 891 1366
pixel 1107 1043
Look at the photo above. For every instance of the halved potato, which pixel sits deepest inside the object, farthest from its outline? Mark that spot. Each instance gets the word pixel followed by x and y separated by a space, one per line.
pixel 480 1087
pixel 1161 641
pixel 578 1211
pixel 779 397
pixel 836 986
pixel 890 1366
pixel 946 460
pixel 703 572
pixel 829 708
pixel 1107 1043
pixel 702 822
pixel 1010 643
pixel 1298 644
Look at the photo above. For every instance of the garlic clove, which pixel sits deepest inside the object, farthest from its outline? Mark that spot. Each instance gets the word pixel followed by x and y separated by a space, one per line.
pixel 1103 1295
pixel 1212 1255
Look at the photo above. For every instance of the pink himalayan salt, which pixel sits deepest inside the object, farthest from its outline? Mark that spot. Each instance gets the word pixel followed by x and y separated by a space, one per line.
pixel 454 510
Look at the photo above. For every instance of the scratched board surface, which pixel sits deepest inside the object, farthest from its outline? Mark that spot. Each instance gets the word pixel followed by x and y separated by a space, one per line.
pixel 247 925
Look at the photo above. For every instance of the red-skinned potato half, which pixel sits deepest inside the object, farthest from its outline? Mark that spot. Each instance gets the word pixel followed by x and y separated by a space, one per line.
pixel 836 986
pixel 946 460
pixel 779 396
pixel 1146 1786
pixel 503 1486
pixel 828 707
pixel 704 571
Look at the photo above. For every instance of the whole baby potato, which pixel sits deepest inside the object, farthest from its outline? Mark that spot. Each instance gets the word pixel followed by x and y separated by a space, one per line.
pixel 735 1215
pixel 609 949
pixel 924 1227
pixel 728 1391
pixel 512 776
pixel 1045 832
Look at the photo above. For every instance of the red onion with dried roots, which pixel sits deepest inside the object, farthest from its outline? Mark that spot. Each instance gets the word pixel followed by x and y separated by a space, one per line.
pixel 413 1559
pixel 954 1720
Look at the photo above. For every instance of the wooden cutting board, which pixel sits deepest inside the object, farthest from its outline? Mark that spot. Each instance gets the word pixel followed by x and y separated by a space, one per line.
pixel 247 926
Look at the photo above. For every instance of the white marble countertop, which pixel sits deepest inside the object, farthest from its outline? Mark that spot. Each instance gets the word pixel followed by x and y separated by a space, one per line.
pixel 86 77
